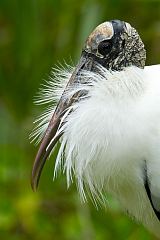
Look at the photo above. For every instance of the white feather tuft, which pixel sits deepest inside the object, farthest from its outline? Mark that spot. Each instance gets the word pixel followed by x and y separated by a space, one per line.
pixel 87 138
pixel 49 94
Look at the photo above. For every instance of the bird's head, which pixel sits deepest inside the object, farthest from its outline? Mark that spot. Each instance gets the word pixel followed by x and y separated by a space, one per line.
pixel 113 45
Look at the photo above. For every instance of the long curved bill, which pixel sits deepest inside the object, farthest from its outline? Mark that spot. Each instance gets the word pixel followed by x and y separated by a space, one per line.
pixel 51 135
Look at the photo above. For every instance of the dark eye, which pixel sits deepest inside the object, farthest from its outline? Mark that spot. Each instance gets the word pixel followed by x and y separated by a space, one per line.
pixel 105 47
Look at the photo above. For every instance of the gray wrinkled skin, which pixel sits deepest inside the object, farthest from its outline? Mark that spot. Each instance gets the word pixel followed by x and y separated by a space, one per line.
pixel 127 47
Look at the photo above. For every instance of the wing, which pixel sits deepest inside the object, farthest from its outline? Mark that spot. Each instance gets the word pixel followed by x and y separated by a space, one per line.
pixel 151 189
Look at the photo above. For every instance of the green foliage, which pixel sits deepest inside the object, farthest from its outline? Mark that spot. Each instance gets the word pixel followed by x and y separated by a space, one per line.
pixel 34 36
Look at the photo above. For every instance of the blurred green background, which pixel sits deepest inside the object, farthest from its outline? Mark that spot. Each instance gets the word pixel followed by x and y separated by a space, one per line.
pixel 34 36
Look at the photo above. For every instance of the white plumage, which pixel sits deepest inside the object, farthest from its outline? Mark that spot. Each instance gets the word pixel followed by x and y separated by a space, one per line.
pixel 111 136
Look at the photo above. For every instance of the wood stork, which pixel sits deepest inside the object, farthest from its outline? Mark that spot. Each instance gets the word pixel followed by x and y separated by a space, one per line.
pixel 108 121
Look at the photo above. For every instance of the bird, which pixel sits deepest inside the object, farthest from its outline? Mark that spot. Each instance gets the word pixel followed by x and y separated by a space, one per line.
pixel 105 112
